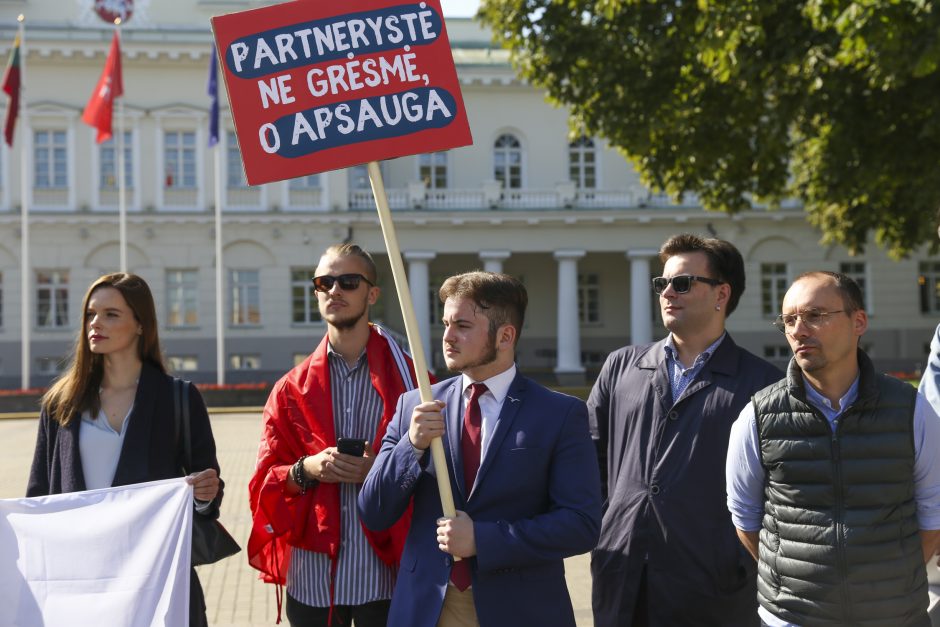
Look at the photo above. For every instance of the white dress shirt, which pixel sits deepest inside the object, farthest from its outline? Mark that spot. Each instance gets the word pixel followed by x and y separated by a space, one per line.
pixel 491 403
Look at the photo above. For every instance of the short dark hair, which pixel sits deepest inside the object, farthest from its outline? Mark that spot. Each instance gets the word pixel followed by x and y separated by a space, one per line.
pixel 852 299
pixel 353 250
pixel 502 298
pixel 724 261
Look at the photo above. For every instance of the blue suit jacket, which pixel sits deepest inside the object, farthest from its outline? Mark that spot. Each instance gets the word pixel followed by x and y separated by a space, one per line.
pixel 536 501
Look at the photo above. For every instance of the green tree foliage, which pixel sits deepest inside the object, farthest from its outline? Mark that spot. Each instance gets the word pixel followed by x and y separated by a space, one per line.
pixel 833 102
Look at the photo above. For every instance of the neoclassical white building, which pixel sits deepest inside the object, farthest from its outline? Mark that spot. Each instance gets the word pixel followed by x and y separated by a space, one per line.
pixel 569 217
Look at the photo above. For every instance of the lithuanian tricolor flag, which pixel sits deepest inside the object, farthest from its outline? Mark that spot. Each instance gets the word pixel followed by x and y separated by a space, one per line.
pixel 11 86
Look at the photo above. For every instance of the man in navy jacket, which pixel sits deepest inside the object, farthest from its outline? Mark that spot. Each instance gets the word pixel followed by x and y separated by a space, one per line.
pixel 527 494
pixel 661 414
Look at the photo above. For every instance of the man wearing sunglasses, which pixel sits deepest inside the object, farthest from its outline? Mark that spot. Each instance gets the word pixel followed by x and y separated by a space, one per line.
pixel 833 474
pixel 306 532
pixel 661 414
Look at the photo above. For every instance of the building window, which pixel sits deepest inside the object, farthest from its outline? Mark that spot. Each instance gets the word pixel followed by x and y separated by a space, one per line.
pixel 311 181
pixel 245 362
pixel 593 359
pixel 435 306
pixel 304 308
pixel 52 299
pixel 582 163
pixel 777 351
pixel 855 270
pixel 235 175
pixel 179 159
pixel 358 177
pixel 108 152
pixel 51 159
pixel 507 161
pixel 589 299
pixel 183 363
pixel 246 297
pixel 432 170
pixel 182 298
pixel 773 286
pixel 50 365
pixel 929 282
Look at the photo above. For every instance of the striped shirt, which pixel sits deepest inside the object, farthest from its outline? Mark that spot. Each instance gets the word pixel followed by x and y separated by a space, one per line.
pixel 361 577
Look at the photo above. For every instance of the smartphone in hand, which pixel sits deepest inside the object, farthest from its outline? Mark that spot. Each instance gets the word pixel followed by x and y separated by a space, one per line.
pixel 351 446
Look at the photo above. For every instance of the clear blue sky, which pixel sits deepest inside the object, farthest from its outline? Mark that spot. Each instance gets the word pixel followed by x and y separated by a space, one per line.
pixel 459 8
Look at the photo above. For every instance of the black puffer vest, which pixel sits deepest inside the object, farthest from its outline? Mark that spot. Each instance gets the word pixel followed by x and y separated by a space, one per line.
pixel 840 542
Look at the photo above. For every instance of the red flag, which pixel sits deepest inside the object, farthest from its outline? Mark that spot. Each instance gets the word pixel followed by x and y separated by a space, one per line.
pixel 11 86
pixel 98 111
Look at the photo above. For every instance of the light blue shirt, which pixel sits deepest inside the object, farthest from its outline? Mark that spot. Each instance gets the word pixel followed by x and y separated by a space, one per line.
pixel 744 473
pixel 930 382
pixel 99 446
pixel 679 376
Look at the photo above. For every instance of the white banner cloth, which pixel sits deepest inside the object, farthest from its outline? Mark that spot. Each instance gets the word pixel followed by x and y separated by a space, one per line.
pixel 113 557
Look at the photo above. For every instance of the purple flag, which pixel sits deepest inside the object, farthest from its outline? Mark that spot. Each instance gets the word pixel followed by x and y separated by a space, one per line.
pixel 214 95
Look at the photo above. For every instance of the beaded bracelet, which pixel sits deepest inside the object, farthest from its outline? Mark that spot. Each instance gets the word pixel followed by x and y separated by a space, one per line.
pixel 300 477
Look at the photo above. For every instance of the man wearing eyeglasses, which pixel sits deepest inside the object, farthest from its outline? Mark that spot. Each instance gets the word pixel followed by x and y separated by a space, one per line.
pixel 661 414
pixel 323 423
pixel 834 474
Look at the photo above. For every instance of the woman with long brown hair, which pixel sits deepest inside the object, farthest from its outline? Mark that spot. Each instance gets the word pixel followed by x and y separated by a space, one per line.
pixel 109 420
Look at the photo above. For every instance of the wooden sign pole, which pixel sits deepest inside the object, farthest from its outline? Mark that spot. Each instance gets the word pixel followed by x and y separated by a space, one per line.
pixel 411 327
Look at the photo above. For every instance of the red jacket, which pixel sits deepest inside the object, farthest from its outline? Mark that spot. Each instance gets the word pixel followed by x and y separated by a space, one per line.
pixel 298 420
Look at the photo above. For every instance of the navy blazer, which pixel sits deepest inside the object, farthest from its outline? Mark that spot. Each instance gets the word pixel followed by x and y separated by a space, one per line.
pixel 150 452
pixel 536 501
pixel 666 504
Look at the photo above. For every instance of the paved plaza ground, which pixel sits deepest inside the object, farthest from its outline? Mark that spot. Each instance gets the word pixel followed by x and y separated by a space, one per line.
pixel 234 596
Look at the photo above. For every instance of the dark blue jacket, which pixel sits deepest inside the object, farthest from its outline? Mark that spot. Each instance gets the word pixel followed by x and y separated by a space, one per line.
pixel 666 489
pixel 536 501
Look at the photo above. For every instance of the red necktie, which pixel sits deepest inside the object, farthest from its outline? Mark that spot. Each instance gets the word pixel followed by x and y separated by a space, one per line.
pixel 470 438
pixel 470 450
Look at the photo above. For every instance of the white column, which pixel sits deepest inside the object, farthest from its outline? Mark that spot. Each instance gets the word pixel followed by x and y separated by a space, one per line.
pixel 493 260
pixel 569 331
pixel 641 322
pixel 418 262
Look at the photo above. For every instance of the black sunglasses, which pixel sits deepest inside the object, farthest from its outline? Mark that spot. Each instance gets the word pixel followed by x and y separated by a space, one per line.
pixel 347 282
pixel 682 283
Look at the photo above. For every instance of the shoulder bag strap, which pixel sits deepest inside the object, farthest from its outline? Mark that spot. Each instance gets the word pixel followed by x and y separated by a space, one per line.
pixel 176 415
pixel 181 421
pixel 187 434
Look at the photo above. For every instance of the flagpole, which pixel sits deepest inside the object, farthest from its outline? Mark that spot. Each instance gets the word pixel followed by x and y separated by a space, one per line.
pixel 122 192
pixel 219 303
pixel 25 326
pixel 214 136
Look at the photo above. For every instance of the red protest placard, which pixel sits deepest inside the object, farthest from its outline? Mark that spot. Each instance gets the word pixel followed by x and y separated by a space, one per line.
pixel 317 86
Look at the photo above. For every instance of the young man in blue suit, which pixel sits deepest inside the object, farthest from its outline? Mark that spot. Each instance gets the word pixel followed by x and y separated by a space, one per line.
pixel 522 468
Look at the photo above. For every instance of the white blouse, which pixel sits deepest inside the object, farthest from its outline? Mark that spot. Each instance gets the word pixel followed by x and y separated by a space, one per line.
pixel 100 448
